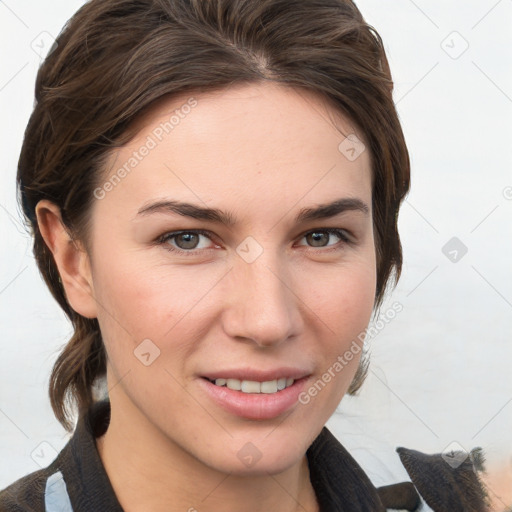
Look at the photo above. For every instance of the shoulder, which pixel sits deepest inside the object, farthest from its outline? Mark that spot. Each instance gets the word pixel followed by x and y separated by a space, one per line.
pixel 75 480
pixel 444 482
pixel 448 481
pixel 42 491
pixel 25 494
pixel 37 490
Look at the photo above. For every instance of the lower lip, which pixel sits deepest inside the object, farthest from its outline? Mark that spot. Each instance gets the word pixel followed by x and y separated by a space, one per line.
pixel 254 406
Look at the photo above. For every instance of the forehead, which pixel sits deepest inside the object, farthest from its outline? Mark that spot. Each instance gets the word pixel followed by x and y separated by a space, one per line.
pixel 239 143
pixel 242 98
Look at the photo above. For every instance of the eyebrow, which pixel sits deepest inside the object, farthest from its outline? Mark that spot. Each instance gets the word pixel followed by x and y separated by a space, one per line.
pixel 323 211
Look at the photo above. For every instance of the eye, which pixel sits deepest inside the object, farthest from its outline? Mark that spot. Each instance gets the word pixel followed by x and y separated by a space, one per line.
pixel 185 241
pixel 195 240
pixel 322 237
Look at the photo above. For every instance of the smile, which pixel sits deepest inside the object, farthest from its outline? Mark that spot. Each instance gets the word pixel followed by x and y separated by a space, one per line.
pixel 254 399
pixel 252 386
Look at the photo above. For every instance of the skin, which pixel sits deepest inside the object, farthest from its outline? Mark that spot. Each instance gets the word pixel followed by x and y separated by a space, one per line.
pixel 261 152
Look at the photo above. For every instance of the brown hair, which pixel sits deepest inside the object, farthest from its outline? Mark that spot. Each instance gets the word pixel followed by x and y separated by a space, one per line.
pixel 114 58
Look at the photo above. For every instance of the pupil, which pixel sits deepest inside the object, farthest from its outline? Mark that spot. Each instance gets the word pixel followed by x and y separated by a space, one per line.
pixel 188 240
pixel 317 237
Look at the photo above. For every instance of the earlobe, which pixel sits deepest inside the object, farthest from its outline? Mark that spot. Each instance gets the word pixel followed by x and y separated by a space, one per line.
pixel 70 257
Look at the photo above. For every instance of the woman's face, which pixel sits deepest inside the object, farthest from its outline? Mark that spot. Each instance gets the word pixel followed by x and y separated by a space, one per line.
pixel 215 255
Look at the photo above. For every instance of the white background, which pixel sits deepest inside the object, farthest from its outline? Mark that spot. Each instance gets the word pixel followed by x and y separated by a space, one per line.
pixel 441 368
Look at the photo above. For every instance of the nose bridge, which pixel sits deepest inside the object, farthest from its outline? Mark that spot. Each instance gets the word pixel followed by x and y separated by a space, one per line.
pixel 261 307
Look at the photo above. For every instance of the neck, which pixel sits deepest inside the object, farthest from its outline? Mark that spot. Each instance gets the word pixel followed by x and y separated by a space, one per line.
pixel 148 471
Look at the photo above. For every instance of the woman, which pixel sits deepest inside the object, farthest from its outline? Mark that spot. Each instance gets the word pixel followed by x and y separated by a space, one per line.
pixel 213 188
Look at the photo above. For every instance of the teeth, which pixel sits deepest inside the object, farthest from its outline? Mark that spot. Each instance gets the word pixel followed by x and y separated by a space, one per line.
pixel 269 386
pixel 252 386
pixel 233 384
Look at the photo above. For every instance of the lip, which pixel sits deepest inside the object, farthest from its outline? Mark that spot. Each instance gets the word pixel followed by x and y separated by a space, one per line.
pixel 253 406
pixel 258 375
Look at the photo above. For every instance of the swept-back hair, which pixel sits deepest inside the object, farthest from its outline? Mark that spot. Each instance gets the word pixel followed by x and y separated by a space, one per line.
pixel 114 58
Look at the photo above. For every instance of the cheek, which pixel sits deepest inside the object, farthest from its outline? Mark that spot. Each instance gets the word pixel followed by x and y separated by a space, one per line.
pixel 142 299
pixel 146 312
pixel 344 305
pixel 343 297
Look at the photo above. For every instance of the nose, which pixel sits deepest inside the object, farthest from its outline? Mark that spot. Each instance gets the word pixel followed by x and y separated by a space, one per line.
pixel 261 305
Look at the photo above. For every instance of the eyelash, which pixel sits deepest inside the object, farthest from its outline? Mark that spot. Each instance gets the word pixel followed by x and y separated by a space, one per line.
pixel 162 240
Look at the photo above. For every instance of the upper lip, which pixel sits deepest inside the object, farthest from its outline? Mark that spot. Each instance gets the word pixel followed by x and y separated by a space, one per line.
pixel 258 375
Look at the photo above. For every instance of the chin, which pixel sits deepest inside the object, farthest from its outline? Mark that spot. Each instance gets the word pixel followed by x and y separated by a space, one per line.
pixel 268 451
pixel 270 463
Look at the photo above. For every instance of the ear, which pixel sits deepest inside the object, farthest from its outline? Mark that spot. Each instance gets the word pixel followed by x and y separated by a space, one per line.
pixel 70 257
